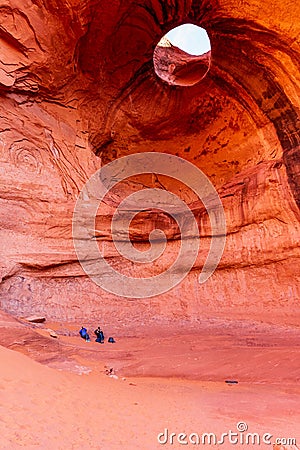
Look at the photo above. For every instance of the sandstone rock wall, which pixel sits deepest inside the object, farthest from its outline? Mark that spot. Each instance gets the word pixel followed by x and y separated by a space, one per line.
pixel 78 90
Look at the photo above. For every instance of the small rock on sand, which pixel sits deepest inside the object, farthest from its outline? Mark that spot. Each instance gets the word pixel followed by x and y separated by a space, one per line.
pixel 52 333
pixel 36 319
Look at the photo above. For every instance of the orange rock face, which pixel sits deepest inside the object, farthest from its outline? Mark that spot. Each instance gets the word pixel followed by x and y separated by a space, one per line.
pixel 178 68
pixel 78 90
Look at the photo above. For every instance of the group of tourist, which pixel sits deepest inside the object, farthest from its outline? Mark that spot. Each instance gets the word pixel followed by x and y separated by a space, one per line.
pixel 99 336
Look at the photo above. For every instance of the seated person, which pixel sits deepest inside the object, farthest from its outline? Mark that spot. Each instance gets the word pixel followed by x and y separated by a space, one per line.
pixel 99 335
pixel 84 334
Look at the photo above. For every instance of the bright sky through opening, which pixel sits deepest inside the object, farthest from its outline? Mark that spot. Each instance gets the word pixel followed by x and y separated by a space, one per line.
pixel 190 38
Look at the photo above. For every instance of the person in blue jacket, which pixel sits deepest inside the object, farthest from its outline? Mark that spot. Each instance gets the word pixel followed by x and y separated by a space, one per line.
pixel 84 334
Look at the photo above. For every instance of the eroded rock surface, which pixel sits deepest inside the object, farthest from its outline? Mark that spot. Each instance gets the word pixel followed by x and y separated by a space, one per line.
pixel 78 89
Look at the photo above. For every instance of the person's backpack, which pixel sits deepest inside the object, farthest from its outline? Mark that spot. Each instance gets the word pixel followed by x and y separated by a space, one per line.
pixel 111 340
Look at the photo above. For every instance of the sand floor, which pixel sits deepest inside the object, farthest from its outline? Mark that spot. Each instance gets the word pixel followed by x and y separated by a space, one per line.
pixel 55 393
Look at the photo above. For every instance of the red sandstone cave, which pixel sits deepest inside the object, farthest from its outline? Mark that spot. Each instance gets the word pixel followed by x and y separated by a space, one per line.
pixel 78 90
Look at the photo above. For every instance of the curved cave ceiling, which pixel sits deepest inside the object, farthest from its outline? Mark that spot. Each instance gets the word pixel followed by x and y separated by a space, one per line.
pixel 251 88
pixel 98 58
